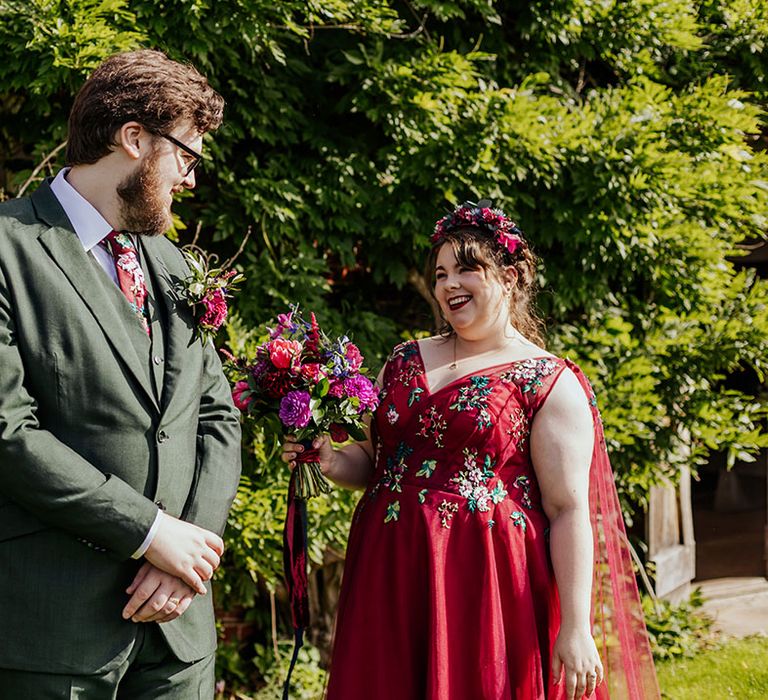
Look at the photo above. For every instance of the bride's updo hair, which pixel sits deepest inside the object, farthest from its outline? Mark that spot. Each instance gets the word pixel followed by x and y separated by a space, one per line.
pixel 484 238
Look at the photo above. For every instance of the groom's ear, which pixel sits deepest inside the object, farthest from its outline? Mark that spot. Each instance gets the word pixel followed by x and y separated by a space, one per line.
pixel 133 140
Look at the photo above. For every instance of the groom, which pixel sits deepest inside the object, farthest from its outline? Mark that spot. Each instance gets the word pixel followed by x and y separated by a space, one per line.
pixel 119 443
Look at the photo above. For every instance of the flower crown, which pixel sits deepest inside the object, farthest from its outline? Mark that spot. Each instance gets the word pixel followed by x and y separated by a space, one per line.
pixel 492 222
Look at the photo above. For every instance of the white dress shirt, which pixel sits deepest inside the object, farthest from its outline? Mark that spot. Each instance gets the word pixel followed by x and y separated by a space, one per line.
pixel 91 228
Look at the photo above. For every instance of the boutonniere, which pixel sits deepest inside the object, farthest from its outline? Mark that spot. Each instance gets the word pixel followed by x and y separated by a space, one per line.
pixel 207 289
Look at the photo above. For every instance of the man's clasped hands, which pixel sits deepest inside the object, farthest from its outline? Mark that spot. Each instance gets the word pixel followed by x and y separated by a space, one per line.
pixel 180 558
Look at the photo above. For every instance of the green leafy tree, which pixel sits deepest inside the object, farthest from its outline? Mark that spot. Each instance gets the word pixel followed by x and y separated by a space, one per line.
pixel 626 137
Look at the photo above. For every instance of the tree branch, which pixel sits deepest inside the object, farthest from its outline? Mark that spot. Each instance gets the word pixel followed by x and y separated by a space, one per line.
pixel 37 170
pixel 240 249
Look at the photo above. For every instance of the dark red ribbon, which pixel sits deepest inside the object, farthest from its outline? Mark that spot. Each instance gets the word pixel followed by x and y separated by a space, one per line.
pixel 295 561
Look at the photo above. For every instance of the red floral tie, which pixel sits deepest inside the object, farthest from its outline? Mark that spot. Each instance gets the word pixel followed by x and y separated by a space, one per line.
pixel 129 274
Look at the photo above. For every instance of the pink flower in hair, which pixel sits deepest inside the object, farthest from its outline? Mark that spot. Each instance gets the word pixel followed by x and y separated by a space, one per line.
pixel 508 239
pixel 464 214
pixel 489 216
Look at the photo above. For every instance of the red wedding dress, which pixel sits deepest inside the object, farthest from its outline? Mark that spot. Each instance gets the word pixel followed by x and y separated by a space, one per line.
pixel 448 590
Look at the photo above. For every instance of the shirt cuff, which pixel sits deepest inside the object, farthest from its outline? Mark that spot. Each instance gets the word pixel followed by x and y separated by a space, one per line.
pixel 139 553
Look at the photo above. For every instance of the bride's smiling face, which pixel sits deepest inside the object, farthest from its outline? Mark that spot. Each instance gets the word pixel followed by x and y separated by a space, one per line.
pixel 473 300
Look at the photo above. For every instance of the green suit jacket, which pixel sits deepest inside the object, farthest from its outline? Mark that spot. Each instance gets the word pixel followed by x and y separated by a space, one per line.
pixel 98 424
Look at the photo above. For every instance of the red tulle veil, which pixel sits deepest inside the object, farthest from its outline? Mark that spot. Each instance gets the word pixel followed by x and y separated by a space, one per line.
pixel 619 627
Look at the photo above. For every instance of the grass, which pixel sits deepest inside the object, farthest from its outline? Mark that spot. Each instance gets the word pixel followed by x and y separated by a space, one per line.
pixel 736 669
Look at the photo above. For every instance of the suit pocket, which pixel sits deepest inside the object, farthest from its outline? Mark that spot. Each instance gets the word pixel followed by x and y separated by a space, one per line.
pixel 16 522
pixel 195 479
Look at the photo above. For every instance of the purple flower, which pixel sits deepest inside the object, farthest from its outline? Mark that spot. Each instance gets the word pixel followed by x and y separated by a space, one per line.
pixel 294 409
pixel 284 323
pixel 259 368
pixel 363 389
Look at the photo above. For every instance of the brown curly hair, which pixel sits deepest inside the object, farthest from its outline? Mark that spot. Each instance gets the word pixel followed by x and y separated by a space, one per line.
pixel 143 86
pixel 475 249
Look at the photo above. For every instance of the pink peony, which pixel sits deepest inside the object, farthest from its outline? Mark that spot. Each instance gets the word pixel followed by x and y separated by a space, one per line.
pixel 354 357
pixel 215 309
pixel 283 353
pixel 237 396
pixel 363 389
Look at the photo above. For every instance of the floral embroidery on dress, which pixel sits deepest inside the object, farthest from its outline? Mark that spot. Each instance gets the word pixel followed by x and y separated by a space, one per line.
pixel 518 519
pixel 396 468
pixel 432 425
pixel 528 374
pixel 409 369
pixel 447 510
pixel 415 395
pixel 473 483
pixel 475 397
pixel 423 495
pixel 393 512
pixel 405 350
pixel 524 483
pixel 519 427
pixel 392 414
pixel 427 468
pixel 408 372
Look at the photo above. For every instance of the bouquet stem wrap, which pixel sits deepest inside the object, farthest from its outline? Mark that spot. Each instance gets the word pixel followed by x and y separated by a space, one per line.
pixel 309 478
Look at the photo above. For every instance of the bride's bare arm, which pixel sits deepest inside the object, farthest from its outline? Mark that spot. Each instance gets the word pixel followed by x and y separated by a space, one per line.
pixel 561 451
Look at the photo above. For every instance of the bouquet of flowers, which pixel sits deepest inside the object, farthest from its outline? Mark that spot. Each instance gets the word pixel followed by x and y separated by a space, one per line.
pixel 305 383
pixel 206 290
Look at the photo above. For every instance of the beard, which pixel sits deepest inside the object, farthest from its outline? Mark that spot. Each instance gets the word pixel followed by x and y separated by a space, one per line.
pixel 143 210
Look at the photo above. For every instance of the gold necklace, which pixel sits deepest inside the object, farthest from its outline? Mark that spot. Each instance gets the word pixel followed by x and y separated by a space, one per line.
pixel 453 364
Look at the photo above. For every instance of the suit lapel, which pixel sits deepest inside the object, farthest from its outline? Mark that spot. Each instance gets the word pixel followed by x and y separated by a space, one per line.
pixel 66 251
pixel 157 322
pixel 177 328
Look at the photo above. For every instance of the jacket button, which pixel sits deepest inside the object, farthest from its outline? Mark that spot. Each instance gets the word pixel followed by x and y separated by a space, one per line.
pixel 162 436
pixel 157 359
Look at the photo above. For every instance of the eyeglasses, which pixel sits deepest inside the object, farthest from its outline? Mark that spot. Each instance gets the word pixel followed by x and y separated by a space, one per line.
pixel 189 165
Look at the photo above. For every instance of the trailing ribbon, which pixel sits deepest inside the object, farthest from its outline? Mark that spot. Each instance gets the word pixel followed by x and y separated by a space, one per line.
pixel 295 561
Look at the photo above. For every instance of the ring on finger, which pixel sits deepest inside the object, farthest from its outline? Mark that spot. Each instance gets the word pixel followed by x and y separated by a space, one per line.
pixel 174 601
